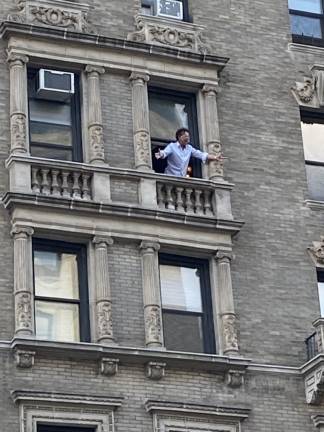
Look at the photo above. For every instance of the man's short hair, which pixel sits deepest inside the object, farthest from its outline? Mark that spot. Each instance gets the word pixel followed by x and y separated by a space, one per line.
pixel 180 132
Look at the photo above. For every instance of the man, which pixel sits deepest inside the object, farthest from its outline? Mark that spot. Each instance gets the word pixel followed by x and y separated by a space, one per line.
pixel 179 153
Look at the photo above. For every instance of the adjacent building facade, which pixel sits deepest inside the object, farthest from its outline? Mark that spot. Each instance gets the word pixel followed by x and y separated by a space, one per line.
pixel 136 301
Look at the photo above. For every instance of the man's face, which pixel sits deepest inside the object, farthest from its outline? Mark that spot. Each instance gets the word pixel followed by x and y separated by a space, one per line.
pixel 184 139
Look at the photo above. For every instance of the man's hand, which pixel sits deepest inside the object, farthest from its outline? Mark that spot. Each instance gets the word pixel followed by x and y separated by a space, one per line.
pixel 158 155
pixel 219 157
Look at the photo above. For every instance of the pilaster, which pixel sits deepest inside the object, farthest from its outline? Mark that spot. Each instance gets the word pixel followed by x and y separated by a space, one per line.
pixel 23 281
pixel 103 291
pixel 151 294
pixel 141 134
pixel 18 103
pixel 95 127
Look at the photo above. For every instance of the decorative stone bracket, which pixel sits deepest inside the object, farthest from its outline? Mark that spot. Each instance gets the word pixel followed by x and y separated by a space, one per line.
pixel 24 359
pixel 314 386
pixel 155 370
pixel 316 252
pixel 162 31
pixel 67 15
pixel 310 93
pixel 234 378
pixel 108 366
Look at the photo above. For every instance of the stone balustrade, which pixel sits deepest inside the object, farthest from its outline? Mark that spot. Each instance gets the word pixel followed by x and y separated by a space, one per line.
pixel 186 197
pixel 61 183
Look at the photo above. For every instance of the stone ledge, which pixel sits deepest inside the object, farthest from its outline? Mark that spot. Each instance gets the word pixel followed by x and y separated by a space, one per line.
pixel 315 205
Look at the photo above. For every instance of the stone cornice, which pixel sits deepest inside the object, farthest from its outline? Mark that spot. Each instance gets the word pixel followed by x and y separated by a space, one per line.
pixel 8 29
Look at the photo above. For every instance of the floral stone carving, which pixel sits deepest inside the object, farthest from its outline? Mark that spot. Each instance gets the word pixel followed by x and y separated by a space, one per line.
pixel 160 31
pixel 152 316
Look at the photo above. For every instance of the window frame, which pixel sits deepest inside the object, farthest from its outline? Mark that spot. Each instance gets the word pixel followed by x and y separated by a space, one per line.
pixel 183 97
pixel 309 40
pixel 56 428
pixel 209 342
pixel 76 135
pixel 80 251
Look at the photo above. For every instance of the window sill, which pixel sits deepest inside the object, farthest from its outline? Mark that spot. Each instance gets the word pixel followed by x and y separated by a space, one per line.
pixel 304 48
pixel 233 367
pixel 314 205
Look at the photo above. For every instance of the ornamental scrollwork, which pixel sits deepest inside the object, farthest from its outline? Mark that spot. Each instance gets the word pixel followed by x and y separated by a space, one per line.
pixel 153 327
pixel 96 142
pixel 23 311
pixel 55 17
pixel 173 37
pixel 230 332
pixel 19 15
pixel 104 314
pixel 142 147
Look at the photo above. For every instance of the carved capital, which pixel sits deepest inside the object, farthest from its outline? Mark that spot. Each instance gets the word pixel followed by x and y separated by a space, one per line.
pixel 153 325
pixel 224 256
pixel 139 78
pixel 229 329
pixel 149 247
pixel 24 359
pixel 92 70
pixel 234 378
pixel 102 242
pixel 19 231
pixel 155 370
pixel 15 59
pixel 210 90
pixel 108 366
pixel 104 320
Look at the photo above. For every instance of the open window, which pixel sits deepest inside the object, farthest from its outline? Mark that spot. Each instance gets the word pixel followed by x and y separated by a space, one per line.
pixel 54 114
pixel 186 304
pixel 169 111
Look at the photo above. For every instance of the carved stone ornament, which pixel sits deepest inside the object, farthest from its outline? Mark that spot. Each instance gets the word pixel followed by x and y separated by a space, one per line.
pixel 317 251
pixel 18 133
pixel 155 370
pixel 161 31
pixel 24 359
pixel 104 315
pixel 108 366
pixel 224 255
pixel 96 142
pixel 229 333
pixel 153 327
pixel 234 378
pixel 23 311
pixel 311 92
pixel 142 147
pixel 314 386
pixel 53 13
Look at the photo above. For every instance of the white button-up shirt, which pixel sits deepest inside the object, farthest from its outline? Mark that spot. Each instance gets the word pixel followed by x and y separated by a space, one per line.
pixel 178 158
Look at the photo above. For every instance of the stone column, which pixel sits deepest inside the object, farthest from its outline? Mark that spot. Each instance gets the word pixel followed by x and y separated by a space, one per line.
pixel 227 315
pixel 95 127
pixel 18 103
pixel 215 168
pixel 141 126
pixel 103 292
pixel 151 295
pixel 23 281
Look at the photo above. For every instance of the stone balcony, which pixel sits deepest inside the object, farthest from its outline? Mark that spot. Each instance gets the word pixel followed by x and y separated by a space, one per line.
pixel 155 200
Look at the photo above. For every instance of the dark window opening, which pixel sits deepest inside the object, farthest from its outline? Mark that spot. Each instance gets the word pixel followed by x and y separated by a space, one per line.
pixel 186 304
pixel 169 111
pixel 53 428
pixel 307 21
pixel 312 126
pixel 60 291
pixel 54 122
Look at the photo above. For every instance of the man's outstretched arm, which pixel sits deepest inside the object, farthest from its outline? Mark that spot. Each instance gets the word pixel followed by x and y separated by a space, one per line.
pixel 162 154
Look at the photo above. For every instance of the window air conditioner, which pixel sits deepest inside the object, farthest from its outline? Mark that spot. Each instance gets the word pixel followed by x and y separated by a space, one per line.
pixel 55 85
pixel 170 8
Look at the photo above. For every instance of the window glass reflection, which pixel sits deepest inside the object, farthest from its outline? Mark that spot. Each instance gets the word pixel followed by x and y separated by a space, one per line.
pixel 313 140
pixel 315 180
pixel 50 112
pixel 180 288
pixel 314 6
pixel 56 275
pixel 183 332
pixel 50 134
pixel 305 26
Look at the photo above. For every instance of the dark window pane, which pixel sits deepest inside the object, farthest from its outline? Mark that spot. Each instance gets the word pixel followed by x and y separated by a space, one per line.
pixel 57 321
pixel 50 133
pixel 321 297
pixel 166 116
pixel 315 180
pixel 314 6
pixel 180 288
pixel 313 140
pixel 50 112
pixel 51 153
pixel 305 26
pixel 183 332
pixel 56 275
pixel 53 428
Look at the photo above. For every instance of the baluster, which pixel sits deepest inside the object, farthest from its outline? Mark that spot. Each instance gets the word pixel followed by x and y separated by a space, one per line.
pixel 65 185
pixel 45 185
pixel 55 185
pixel 35 182
pixel 198 206
pixel 169 197
pixel 160 198
pixel 207 203
pixel 179 200
pixel 85 187
pixel 188 203
pixel 76 192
